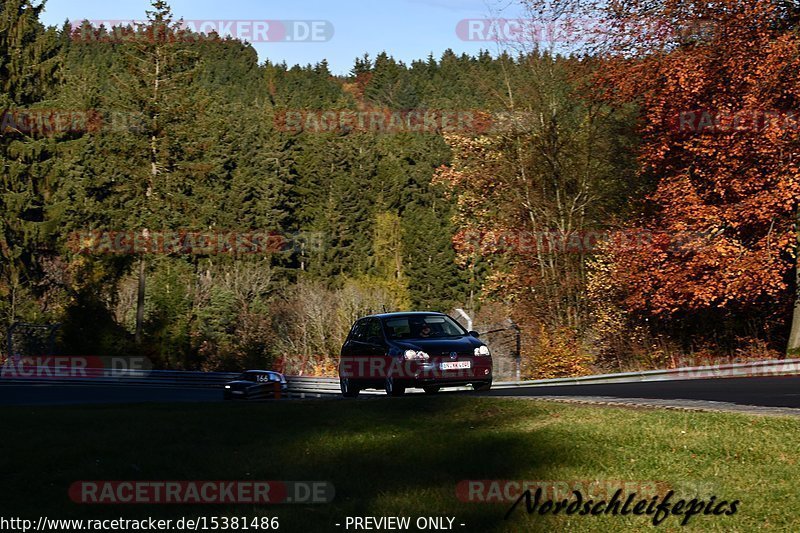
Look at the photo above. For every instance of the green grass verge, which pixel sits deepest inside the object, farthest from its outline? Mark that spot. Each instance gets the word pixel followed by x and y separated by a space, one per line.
pixel 404 457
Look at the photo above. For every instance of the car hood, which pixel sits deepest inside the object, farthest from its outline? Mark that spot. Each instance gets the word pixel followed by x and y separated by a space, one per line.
pixel 241 383
pixel 449 344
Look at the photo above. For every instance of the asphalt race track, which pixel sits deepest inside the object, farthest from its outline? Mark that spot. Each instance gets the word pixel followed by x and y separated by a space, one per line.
pixel 70 395
pixel 778 391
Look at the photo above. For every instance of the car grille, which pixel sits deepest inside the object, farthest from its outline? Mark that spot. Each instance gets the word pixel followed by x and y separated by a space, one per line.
pixel 460 354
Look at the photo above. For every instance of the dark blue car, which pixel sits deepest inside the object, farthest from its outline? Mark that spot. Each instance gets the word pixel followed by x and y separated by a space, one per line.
pixel 395 351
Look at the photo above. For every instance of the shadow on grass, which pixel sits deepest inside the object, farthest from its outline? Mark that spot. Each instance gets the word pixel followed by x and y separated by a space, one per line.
pixel 385 457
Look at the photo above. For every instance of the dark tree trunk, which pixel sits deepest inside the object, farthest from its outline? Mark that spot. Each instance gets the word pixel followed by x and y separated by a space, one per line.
pixel 140 302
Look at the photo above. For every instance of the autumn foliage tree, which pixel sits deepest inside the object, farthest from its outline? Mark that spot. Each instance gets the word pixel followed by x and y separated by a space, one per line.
pixel 718 93
pixel 552 171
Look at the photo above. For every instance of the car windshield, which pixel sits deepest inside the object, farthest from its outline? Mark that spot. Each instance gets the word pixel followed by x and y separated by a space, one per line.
pixel 422 327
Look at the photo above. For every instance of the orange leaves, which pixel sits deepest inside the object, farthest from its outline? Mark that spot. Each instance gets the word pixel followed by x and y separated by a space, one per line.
pixel 734 183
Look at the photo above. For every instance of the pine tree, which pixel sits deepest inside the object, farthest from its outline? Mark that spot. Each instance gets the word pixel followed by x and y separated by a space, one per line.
pixel 30 67
pixel 156 182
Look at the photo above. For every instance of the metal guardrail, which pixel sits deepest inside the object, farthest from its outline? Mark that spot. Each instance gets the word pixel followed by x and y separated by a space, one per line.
pixel 317 386
pixel 326 385
pixel 139 378
pixel 301 385
pixel 93 377
pixel 298 386
pixel 772 367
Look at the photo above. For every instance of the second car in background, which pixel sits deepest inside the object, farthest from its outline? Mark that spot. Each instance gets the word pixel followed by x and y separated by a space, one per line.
pixel 256 384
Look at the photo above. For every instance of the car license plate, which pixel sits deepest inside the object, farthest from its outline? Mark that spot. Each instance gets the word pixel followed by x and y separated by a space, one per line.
pixel 238 392
pixel 457 365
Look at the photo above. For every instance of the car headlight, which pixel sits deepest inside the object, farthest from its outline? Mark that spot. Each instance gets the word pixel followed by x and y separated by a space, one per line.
pixel 413 355
pixel 482 350
pixel 227 386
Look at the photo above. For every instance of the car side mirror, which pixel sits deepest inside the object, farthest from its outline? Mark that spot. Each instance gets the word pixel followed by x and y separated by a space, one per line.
pixel 475 334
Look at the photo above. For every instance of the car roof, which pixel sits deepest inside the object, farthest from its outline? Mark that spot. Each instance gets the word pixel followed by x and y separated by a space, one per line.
pixel 406 313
